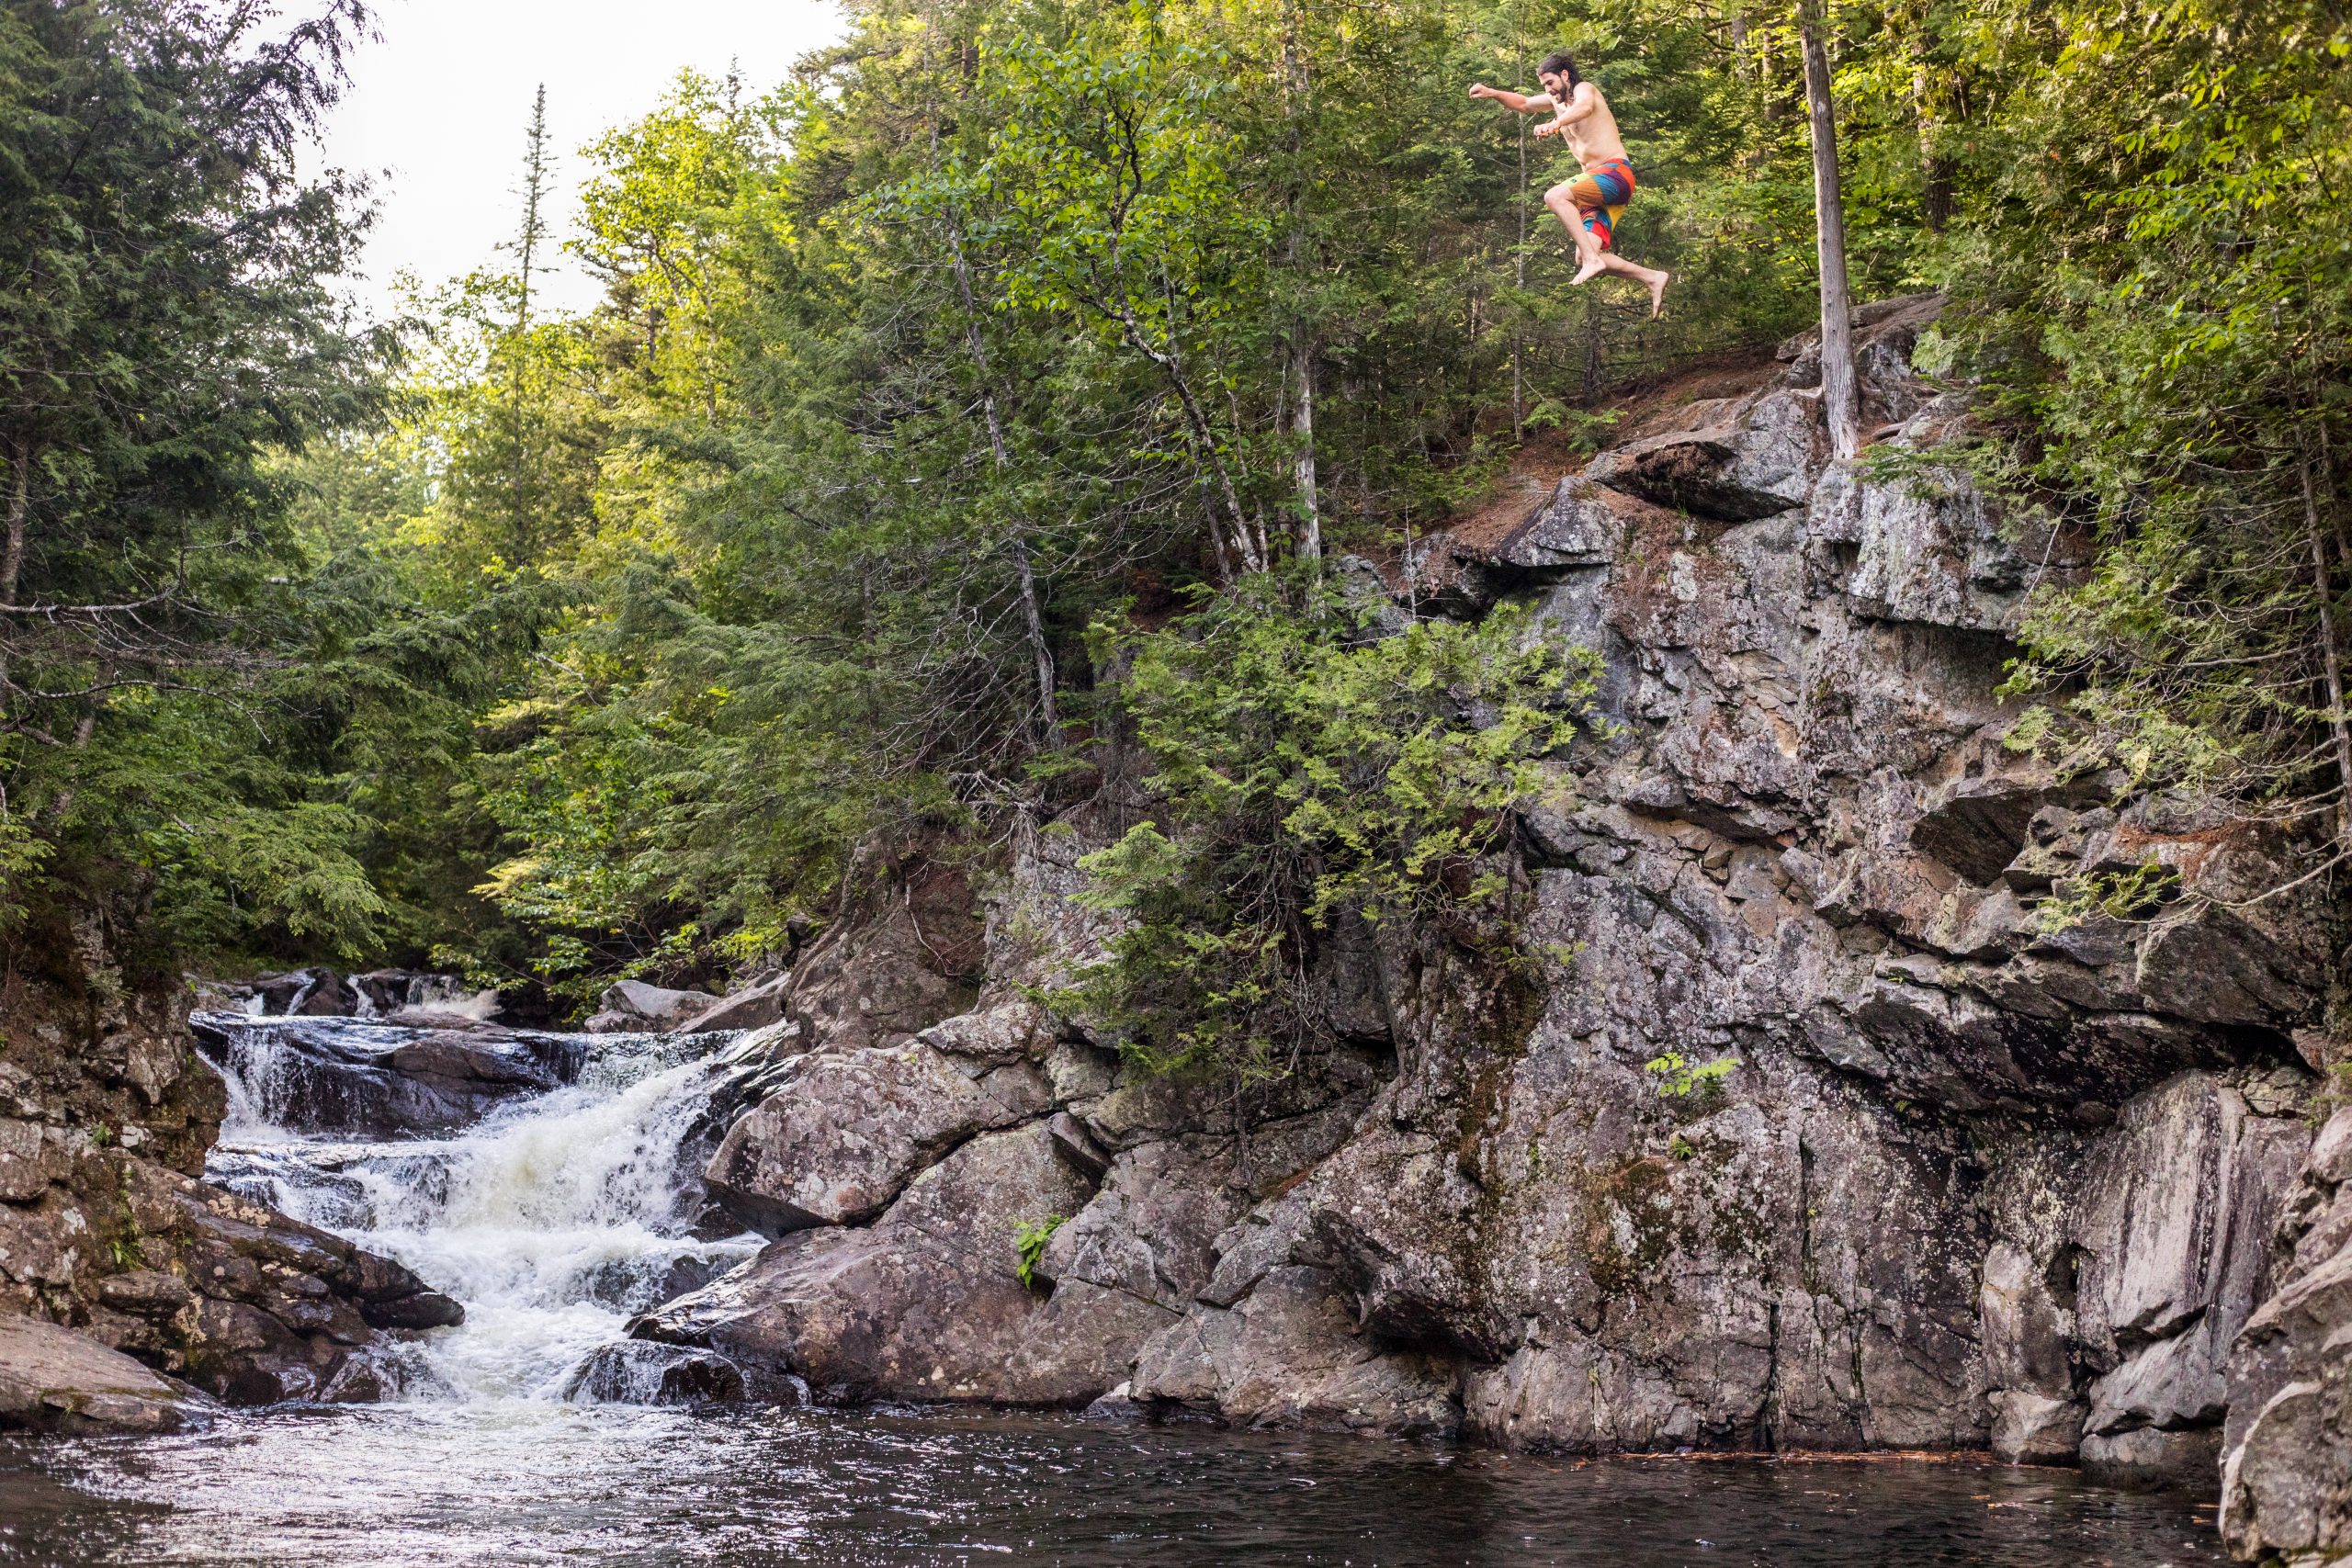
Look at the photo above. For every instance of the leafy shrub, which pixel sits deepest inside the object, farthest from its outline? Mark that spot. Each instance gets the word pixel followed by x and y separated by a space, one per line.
pixel 1679 1076
pixel 1029 1239
pixel 1306 768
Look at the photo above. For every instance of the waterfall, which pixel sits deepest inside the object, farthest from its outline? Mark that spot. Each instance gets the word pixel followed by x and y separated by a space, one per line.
pixel 552 1217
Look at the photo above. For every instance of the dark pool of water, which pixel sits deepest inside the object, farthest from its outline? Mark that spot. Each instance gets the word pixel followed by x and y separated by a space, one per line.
pixel 532 1483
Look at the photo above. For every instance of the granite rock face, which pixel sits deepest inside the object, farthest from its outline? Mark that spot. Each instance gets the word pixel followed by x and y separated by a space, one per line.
pixel 2286 1476
pixel 926 1302
pixel 883 976
pixel 2172 1238
pixel 219 1292
pixel 844 1133
pixel 249 1305
pixel 1975 1182
pixel 899 1180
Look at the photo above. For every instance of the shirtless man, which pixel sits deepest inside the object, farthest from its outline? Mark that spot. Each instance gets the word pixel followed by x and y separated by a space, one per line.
pixel 1588 205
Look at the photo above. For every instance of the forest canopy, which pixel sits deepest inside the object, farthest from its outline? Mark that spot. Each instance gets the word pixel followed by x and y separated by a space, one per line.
pixel 924 383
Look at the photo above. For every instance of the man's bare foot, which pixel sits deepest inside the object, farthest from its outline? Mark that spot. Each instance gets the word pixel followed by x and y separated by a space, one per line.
pixel 1657 282
pixel 1591 269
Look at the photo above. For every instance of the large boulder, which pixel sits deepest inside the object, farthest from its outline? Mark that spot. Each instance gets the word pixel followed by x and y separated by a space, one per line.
pixel 913 1187
pixel 222 1293
pixel 927 1303
pixel 875 982
pixel 633 1007
pixel 842 1135
pixel 1734 460
pixel 252 1306
pixel 52 1379
pixel 755 1006
pixel 641 1371
pixel 1289 1355
pixel 2036 1416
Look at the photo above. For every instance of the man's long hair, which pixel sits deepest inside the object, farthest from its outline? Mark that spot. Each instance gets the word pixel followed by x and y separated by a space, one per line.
pixel 1560 62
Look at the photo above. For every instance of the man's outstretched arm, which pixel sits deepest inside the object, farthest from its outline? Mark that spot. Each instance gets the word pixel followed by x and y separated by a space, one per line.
pixel 1515 102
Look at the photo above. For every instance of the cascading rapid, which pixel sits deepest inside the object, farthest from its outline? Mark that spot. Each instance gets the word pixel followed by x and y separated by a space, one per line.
pixel 548 1182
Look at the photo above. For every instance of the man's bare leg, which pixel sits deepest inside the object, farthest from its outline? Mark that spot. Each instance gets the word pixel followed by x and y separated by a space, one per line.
pixel 1649 277
pixel 1591 260
pixel 1563 206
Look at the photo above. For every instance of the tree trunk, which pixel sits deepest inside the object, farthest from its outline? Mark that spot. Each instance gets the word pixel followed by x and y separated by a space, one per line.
pixel 1839 403
pixel 12 551
pixel 1031 615
pixel 1204 441
pixel 534 179
pixel 1519 272
pixel 1936 196
pixel 1593 364
pixel 1301 345
pixel 1302 429
pixel 2331 663
pixel 1752 67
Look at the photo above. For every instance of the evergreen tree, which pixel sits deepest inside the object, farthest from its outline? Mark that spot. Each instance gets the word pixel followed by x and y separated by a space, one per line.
pixel 166 323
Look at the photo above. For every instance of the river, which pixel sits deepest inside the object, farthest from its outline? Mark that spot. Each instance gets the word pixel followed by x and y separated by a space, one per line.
pixel 555 1218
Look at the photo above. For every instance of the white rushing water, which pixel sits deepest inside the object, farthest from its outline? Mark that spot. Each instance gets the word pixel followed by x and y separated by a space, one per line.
pixel 552 1219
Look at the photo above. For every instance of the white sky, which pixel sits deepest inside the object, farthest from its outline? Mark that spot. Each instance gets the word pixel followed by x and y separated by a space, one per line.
pixel 437 110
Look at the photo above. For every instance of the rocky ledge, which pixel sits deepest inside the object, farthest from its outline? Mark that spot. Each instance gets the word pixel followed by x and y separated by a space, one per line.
pixel 1976 1181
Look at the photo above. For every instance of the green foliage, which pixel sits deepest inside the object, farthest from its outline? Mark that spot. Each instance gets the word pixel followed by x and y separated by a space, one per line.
pixel 605 642
pixel 1001 295
pixel 2165 302
pixel 1679 1077
pixel 1307 769
pixel 1029 1239
pixel 913 371
pixel 2133 895
pixel 166 328
pixel 21 854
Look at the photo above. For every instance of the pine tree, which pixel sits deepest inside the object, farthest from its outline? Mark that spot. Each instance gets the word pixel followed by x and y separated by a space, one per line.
pixel 165 325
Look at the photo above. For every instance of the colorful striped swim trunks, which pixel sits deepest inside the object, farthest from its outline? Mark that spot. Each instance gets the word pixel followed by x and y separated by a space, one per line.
pixel 1601 194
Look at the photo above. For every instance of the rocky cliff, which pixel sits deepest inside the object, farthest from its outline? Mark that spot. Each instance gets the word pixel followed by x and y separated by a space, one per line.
pixel 1974 1183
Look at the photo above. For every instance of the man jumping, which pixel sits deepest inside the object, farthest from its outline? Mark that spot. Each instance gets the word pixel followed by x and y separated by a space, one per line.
pixel 1588 205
